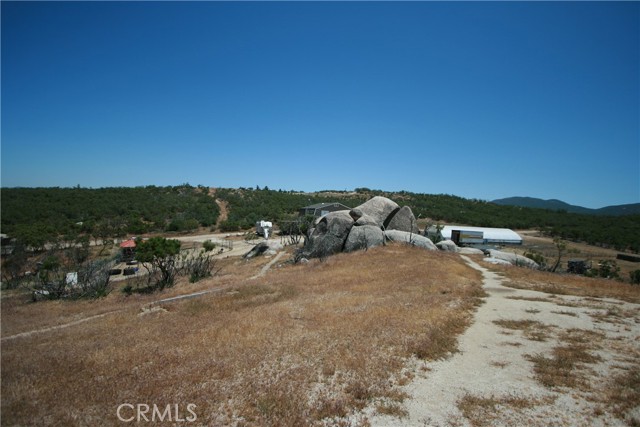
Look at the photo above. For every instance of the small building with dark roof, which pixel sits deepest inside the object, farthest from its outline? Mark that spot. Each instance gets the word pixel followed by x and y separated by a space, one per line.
pixel 320 209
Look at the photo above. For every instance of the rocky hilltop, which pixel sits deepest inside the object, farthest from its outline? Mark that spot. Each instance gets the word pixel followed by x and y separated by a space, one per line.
pixel 368 225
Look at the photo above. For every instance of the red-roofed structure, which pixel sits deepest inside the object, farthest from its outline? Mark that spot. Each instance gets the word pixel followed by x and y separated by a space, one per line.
pixel 128 250
pixel 128 244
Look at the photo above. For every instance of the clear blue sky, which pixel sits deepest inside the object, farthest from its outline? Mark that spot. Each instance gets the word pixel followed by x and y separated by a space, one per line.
pixel 480 100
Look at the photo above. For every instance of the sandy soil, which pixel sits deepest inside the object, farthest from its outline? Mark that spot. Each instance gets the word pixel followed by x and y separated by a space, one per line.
pixel 492 363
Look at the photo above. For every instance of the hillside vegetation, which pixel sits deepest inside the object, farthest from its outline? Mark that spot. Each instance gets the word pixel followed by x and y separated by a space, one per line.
pixel 41 215
pixel 553 204
pixel 36 215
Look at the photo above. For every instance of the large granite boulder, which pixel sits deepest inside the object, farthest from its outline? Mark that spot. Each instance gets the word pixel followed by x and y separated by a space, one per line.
pixel 361 218
pixel 403 220
pixel 379 208
pixel 337 223
pixel 323 246
pixel 364 237
pixel 513 259
pixel 329 235
pixel 410 238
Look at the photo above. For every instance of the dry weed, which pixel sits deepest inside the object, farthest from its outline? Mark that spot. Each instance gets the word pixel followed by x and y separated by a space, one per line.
pixel 566 284
pixel 563 368
pixel 484 411
pixel 532 329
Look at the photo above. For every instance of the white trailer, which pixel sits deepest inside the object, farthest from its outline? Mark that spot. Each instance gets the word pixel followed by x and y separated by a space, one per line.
pixel 467 237
pixel 263 228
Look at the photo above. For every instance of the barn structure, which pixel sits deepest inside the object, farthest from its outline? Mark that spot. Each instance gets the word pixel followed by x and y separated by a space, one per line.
pixel 320 209
pixel 489 236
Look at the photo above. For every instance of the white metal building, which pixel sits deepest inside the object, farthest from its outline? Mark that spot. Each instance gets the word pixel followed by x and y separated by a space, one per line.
pixel 502 236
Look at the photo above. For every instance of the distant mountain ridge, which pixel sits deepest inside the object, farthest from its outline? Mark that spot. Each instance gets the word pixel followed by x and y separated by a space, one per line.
pixel 555 205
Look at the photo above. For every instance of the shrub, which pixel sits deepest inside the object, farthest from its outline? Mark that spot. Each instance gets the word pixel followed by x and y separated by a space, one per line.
pixel 208 246
pixel 162 254
pixel 200 267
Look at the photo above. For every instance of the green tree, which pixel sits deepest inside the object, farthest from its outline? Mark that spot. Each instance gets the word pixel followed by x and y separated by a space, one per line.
pixel 635 277
pixel 162 255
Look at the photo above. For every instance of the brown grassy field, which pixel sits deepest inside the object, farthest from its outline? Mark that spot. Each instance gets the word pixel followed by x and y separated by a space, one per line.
pixel 304 345
pixel 567 284
pixel 534 241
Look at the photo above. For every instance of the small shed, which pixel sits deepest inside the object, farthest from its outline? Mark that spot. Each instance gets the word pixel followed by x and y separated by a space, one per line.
pixel 320 209
pixel 128 250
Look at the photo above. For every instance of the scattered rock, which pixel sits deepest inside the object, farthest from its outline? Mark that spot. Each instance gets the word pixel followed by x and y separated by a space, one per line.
pixel 152 309
pixel 470 251
pixel 410 238
pixel 403 220
pixel 364 237
pixel 40 295
pixel 267 247
pixel 496 261
pixel 448 246
pixel 513 259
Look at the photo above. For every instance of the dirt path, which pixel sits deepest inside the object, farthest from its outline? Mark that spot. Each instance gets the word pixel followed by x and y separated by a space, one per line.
pixel 491 380
pixel 63 326
pixel 224 212
pixel 266 268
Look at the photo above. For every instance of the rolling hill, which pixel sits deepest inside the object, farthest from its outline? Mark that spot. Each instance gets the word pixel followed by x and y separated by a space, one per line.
pixel 559 205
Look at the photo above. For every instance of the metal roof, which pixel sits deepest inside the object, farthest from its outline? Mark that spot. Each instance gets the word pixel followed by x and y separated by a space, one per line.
pixel 322 205
pixel 489 234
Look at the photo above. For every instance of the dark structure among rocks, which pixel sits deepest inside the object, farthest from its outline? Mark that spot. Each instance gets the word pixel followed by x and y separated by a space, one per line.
pixel 320 209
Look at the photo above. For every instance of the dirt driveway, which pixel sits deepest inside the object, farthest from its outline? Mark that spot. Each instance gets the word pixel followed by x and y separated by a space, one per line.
pixel 534 359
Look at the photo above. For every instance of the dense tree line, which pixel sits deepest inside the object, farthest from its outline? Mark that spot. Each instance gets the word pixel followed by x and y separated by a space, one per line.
pixel 247 206
pixel 40 215
pixel 620 232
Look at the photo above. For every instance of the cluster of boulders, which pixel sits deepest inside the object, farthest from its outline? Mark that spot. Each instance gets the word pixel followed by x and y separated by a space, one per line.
pixel 491 255
pixel 377 221
pixel 371 224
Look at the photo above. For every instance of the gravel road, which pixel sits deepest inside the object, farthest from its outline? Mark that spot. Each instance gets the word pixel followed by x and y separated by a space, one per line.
pixel 491 362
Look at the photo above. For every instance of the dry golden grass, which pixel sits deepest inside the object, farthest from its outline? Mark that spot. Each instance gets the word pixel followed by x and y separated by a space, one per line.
pixel 532 329
pixel 566 284
pixel 304 345
pixel 484 411
pixel 622 394
pixel 20 315
pixel 565 366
